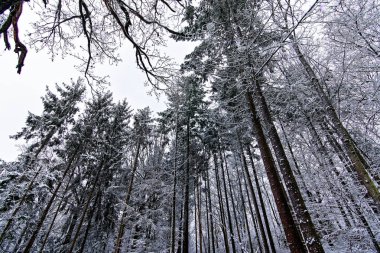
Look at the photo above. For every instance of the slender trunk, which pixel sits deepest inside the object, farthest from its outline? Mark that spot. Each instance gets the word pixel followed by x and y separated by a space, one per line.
pixel 310 234
pixel 44 214
pixel 179 249
pixel 261 200
pixel 221 207
pixel 322 149
pixel 229 219
pixel 253 216
pixel 120 234
pixel 199 197
pixel 186 204
pixel 196 204
pixel 245 212
pixel 360 166
pixel 20 239
pixel 253 195
pixel 209 213
pixel 89 223
pixel 283 206
pixel 75 216
pixel 56 214
pixel 233 197
pixel 173 214
pixel 92 191
pixel 208 226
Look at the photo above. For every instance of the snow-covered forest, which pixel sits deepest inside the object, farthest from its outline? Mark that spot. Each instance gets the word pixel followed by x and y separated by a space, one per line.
pixel 270 141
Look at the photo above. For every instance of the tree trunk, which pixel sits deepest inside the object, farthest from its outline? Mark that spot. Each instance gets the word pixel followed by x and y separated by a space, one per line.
pixel 210 214
pixel 310 234
pixel 173 214
pixel 229 219
pixel 253 216
pixel 352 151
pixel 44 214
pixel 233 197
pixel 186 204
pixel 56 213
pixel 283 206
pixel 199 201
pixel 261 200
pixel 92 191
pixel 89 223
pixel 221 207
pixel 245 213
pixel 253 195
pixel 120 234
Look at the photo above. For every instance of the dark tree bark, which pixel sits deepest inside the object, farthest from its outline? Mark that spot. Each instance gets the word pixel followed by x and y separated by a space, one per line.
pixel 294 239
pixel 210 214
pixel 253 196
pixel 229 218
pixel 261 200
pixel 186 204
pixel 310 234
pixel 221 206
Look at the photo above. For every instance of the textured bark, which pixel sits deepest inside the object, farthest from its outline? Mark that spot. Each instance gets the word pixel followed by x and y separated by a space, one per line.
pixel 261 201
pixel 310 234
pixel 294 239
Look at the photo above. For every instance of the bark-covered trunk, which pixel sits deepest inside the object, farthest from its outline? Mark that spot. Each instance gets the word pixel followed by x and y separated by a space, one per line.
pixel 261 201
pixel 221 206
pixel 229 218
pixel 210 214
pixel 356 158
pixel 44 214
pixel 253 196
pixel 233 197
pixel 173 213
pixel 120 234
pixel 85 208
pixel 310 234
pixel 246 221
pixel 56 213
pixel 294 239
pixel 186 204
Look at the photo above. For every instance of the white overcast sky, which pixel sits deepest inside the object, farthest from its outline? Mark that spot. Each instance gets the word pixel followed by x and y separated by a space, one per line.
pixel 22 93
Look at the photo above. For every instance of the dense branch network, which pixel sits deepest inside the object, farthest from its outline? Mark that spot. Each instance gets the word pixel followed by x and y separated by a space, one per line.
pixel 101 27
